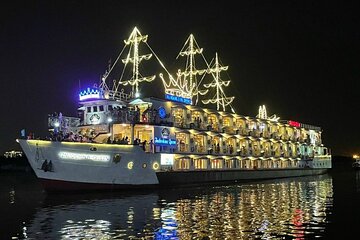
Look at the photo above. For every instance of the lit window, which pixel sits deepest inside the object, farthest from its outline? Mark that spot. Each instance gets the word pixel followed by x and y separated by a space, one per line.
pixel 144 165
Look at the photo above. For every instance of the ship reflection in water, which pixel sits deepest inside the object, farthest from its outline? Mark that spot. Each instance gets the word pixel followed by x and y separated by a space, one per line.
pixel 294 208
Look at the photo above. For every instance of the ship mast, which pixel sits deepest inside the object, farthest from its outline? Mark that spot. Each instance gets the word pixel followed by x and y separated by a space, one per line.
pixel 135 59
pixel 219 98
pixel 186 84
pixel 190 75
pixel 190 69
pixel 263 114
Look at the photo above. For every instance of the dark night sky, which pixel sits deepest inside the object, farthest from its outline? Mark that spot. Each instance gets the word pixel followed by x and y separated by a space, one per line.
pixel 300 58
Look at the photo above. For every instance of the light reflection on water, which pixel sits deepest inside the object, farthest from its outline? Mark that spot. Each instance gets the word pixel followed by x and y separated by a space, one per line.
pixel 290 208
pixel 259 210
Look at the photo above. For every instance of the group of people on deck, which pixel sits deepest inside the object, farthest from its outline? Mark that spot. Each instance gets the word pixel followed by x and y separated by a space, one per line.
pixel 137 141
pixel 69 137
pixel 124 140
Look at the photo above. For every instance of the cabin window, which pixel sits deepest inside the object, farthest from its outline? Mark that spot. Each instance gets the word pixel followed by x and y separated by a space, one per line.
pixel 229 163
pixel 88 109
pixel 95 109
pixel 200 163
pixel 216 163
pixel 101 108
pixel 110 107
pixel 182 163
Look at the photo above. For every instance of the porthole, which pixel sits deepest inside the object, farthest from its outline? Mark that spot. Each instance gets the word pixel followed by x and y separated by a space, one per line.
pixel 155 166
pixel 130 165
pixel 144 165
pixel 116 158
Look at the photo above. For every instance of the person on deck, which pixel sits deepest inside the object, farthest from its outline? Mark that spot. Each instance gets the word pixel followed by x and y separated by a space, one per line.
pixel 151 146
pixel 144 145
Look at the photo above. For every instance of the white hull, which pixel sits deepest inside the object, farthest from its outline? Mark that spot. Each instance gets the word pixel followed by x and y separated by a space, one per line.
pixel 95 171
pixel 91 166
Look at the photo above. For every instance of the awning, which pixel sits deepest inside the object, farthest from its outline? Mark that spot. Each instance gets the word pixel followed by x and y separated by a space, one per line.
pixel 138 101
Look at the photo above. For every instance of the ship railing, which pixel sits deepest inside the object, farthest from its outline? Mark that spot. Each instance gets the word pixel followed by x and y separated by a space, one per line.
pixel 62 123
pixel 179 124
pixel 324 157
pixel 252 133
pixel 240 130
pixel 132 116
pixel 245 132
pixel 266 135
pixel 197 125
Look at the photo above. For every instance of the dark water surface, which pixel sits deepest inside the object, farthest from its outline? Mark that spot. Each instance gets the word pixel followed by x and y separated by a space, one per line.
pixel 296 208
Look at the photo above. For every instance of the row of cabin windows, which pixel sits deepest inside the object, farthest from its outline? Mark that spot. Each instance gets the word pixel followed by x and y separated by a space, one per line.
pixel 99 108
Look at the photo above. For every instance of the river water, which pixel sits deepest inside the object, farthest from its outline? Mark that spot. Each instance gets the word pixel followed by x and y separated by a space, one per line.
pixel 294 208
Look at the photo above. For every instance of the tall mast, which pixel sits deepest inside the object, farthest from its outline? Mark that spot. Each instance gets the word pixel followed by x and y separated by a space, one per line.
pixel 219 98
pixel 192 53
pixel 135 59
pixel 263 114
pixel 189 77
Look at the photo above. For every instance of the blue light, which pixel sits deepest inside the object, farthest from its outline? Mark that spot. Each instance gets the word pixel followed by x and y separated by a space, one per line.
pixel 178 99
pixel 163 141
pixel 168 231
pixel 90 93
pixel 162 112
pixel 164 234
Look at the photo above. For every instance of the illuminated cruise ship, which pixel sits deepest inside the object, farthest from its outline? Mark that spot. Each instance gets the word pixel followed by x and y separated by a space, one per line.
pixel 122 139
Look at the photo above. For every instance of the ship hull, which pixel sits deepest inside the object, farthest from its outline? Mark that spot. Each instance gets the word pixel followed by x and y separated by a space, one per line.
pixel 185 178
pixel 86 166
pixel 51 185
pixel 213 176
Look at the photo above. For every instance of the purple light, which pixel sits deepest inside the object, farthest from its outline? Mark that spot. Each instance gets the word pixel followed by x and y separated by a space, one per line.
pixel 89 93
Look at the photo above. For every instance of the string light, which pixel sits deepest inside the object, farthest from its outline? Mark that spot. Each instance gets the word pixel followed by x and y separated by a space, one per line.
pixel 220 98
pixel 263 114
pixel 134 58
pixel 186 84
